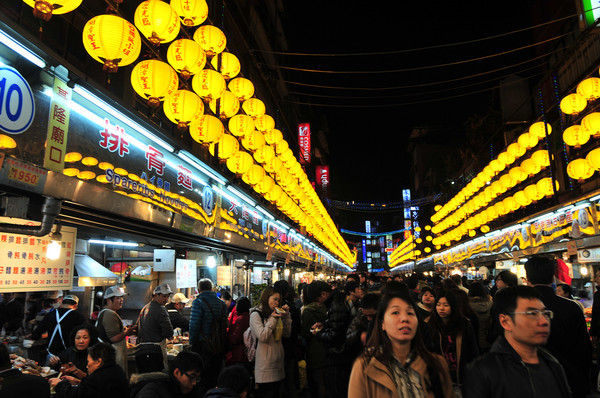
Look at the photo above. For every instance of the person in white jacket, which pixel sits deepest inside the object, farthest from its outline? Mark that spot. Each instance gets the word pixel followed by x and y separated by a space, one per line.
pixel 269 323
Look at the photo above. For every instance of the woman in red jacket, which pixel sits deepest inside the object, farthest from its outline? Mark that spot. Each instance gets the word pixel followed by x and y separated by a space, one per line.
pixel 239 321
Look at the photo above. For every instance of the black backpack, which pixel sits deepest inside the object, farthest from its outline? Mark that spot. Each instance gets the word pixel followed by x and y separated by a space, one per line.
pixel 216 342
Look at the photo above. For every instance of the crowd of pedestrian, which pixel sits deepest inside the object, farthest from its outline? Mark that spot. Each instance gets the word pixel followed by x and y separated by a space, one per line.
pixel 363 337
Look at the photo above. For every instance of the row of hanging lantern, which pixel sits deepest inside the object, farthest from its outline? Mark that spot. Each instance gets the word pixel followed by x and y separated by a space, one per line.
pixel 251 146
pixel 588 90
pixel 403 252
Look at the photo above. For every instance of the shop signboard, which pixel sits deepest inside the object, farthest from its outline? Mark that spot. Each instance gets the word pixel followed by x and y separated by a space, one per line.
pixel 185 273
pixel 304 142
pixel 24 265
pixel 224 275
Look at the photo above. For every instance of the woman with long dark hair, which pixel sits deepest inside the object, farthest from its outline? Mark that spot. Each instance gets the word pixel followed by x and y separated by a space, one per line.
pixel 396 362
pixel 452 336
pixel 239 321
pixel 269 323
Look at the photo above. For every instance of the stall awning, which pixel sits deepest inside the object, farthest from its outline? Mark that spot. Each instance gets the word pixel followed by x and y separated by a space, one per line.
pixel 92 273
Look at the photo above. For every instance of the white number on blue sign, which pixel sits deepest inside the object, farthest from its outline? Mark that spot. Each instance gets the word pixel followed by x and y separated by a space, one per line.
pixel 17 106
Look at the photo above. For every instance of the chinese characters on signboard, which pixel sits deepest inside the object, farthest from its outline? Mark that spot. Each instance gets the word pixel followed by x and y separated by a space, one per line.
pixel 304 142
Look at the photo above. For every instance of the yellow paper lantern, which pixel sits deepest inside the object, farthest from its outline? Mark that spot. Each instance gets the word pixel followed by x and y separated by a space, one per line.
pixel 517 174
pixel 208 84
pixel 71 171
pixel 157 21
pixel 182 106
pixel 229 105
pixel 522 199
pixel 206 129
pixel 226 146
pixel 579 169
pixel 507 181
pixel 274 193
pixel 506 158
pixel 516 150
pixel 264 154
pixel 497 166
pixel 539 129
pixel 593 158
pixel 106 166
pixel 286 156
pixel 573 104
pixel 242 88
pixel 527 140
pixel 281 147
pixel 265 185
pixel 589 88
pixel 254 175
pixel 211 39
pixel 273 136
pixel 254 107
pixel 510 204
pixel 500 209
pixel 264 123
pixel 591 123
pixel 533 193
pixel 544 186
pixel 240 162
pixel 240 125
pixel 112 41
pixel 530 167
pixel 191 12
pixel 154 80
pixel 485 229
pixel 253 141
pixel 89 161
pixel 272 166
pixel 44 9
pixel 576 136
pixel 541 158
pixel 186 57
pixel 86 175
pixel 7 142
pixel 230 65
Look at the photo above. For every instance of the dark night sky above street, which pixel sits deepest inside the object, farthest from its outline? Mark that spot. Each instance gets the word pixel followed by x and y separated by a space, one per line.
pixel 398 48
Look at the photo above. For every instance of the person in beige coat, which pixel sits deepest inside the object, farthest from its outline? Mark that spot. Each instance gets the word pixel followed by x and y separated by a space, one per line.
pixel 269 323
pixel 395 362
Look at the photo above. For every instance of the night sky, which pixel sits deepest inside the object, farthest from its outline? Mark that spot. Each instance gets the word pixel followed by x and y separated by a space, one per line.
pixel 370 119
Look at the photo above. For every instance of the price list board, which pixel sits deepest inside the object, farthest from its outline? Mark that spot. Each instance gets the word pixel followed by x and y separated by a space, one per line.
pixel 25 267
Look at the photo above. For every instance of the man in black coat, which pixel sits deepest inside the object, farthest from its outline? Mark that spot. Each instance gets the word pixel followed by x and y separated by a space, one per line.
pixel 13 383
pixel 569 341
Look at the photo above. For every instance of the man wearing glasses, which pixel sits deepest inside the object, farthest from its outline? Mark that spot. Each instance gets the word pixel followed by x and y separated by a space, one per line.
pixel 569 342
pixel 516 366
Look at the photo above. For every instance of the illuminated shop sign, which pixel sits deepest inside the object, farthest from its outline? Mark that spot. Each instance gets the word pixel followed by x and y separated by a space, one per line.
pixel 304 142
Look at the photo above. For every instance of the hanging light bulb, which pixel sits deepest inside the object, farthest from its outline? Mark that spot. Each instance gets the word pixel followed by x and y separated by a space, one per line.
pixel 54 247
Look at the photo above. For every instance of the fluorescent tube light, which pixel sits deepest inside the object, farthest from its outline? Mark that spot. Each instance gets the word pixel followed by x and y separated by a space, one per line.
pixel 266 213
pixel 241 195
pixel 112 243
pixel 198 165
pixel 21 50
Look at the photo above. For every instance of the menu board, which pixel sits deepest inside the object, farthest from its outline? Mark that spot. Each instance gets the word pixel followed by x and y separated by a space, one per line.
pixel 24 265
pixel 185 273
pixel 224 275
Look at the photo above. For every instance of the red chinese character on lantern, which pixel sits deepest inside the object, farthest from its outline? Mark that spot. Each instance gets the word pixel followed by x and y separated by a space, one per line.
pixel 114 141
pixel 184 177
pixel 155 160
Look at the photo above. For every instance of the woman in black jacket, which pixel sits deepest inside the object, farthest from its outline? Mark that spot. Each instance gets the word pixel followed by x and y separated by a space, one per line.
pixel 73 360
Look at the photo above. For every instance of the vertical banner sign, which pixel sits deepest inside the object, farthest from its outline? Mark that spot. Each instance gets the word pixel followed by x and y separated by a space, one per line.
pixel 185 273
pixel 304 142
pixel 407 218
pixel 323 179
pixel 58 127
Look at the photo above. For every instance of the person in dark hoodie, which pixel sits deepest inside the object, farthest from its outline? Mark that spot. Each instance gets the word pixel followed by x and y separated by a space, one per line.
pixel 182 381
pixel 233 382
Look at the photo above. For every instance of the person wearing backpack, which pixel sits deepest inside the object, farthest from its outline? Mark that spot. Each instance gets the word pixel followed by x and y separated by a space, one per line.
pixel 269 323
pixel 208 312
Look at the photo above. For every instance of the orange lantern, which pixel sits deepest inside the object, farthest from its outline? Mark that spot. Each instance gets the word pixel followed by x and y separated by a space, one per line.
pixel 539 129
pixel 89 161
pixel 230 65
pixel 7 142
pixel 273 136
pixel 593 158
pixel 72 157
pixel 527 140
pixel 225 147
pixel 576 136
pixel 580 170
pixel 532 192
pixel 240 162
pixel 516 150
pixel 211 39
pixel 44 9
pixel 157 21
pixel 254 107
pixel 253 141
pixel 191 12
pixel 186 57
pixel 254 175
pixel 264 123
pixel 264 154
pixel 589 88
pixel 240 125
pixel 154 80
pixel 573 104
pixel 242 88
pixel 544 186
pixel 591 123
pixel 208 84
pixel 182 106
pixel 206 129
pixel 112 41
pixel 228 105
